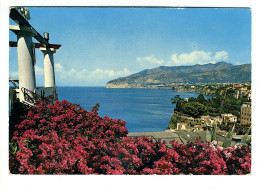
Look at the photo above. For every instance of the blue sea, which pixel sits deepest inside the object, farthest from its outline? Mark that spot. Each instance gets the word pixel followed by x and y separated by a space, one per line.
pixel 144 110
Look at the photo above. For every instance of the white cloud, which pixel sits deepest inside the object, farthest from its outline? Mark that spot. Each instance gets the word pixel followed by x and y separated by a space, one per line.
pixel 149 62
pixel 150 59
pixel 74 76
pixel 191 58
pixel 198 57
pixel 38 71
pixel 81 76
pixel 58 68
pixel 101 74
pixel 219 56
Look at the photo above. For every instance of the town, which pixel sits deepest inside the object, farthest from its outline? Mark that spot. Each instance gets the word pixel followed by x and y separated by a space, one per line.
pixel 230 105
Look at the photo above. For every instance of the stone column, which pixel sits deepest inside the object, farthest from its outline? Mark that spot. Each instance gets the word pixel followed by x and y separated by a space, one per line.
pixel 49 73
pixel 25 52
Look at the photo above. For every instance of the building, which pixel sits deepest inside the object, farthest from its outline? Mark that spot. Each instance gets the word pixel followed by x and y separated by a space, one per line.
pixel 218 120
pixel 245 115
pixel 249 95
pixel 205 121
pixel 208 121
pixel 181 126
pixel 198 128
pixel 242 93
pixel 228 118
pixel 237 86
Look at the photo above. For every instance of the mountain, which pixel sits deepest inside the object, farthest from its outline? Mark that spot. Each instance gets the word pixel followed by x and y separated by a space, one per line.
pixel 220 72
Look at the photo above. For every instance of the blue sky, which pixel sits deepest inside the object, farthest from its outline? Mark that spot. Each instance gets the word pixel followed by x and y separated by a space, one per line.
pixel 101 44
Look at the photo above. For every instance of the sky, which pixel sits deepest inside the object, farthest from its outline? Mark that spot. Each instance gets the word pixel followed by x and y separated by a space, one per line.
pixel 102 44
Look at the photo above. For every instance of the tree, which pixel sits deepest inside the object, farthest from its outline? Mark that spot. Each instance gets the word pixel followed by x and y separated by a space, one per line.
pixel 217 101
pixel 175 99
pixel 194 109
pixel 192 99
pixel 201 99
pixel 178 101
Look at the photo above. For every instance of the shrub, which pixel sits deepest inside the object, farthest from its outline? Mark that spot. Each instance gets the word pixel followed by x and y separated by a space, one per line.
pixel 63 138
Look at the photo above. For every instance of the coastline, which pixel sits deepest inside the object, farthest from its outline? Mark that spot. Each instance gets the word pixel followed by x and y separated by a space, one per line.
pixel 163 87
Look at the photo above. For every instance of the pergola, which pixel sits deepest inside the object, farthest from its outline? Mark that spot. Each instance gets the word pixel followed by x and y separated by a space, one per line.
pixel 27 90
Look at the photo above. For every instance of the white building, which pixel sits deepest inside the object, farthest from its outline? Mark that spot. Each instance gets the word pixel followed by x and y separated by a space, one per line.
pixel 228 117
pixel 181 126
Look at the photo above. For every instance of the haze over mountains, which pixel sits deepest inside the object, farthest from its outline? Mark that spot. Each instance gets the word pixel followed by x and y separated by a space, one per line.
pixel 220 72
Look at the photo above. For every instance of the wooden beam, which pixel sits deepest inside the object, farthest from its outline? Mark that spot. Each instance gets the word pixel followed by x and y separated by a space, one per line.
pixel 37 45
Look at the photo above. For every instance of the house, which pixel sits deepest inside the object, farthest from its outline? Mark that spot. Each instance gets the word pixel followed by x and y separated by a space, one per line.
pixel 181 126
pixel 242 92
pixel 205 120
pixel 229 118
pixel 198 128
pixel 218 119
pixel 237 86
pixel 208 121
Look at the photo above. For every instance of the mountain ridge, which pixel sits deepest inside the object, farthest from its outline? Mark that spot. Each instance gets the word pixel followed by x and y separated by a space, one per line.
pixel 209 73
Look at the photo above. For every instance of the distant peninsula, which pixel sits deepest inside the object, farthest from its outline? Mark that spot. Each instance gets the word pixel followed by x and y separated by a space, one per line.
pixel 167 76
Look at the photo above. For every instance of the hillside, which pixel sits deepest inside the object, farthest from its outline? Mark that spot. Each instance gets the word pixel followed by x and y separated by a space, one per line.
pixel 221 72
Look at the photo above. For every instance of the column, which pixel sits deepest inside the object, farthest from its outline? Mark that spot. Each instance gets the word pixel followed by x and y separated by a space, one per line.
pixel 26 72
pixel 49 73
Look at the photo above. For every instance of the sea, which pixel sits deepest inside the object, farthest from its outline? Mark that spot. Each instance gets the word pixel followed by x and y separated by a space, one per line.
pixel 144 110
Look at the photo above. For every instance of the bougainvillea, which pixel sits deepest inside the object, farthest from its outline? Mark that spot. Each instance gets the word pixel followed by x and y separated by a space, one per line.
pixel 63 138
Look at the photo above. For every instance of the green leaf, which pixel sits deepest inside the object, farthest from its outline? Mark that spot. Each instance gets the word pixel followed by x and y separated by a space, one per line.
pixel 208 135
pixel 12 148
pixel 213 134
pixel 244 140
pixel 228 138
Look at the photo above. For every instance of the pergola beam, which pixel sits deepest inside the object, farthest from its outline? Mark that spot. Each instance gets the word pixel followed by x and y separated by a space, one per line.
pixel 21 21
pixel 37 45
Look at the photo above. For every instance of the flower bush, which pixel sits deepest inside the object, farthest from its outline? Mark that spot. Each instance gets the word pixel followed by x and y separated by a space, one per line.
pixel 63 138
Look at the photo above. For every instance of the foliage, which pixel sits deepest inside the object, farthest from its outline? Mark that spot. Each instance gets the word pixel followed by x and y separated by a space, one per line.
pixel 240 129
pixel 62 138
pixel 244 140
pixel 174 120
pixel 175 99
pixel 194 109
pixel 228 139
pixel 201 99
pixel 213 133
pixel 248 141
pixel 208 135
pixel 215 106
